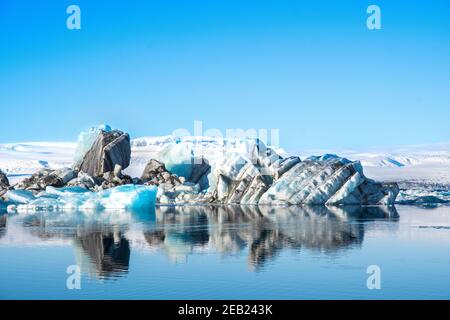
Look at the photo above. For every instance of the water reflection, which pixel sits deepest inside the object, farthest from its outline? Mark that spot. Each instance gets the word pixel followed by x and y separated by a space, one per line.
pixel 3 219
pixel 103 241
pixel 102 254
pixel 264 231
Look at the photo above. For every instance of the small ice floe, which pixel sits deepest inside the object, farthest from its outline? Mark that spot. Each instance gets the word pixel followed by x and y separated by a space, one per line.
pixel 77 198
pixel 424 195
pixel 20 196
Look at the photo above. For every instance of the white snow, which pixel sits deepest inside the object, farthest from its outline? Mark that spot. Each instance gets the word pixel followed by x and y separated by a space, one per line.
pixel 19 160
pixel 422 163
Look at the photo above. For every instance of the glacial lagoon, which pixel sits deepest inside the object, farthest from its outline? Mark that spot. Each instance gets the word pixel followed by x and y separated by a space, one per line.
pixel 227 252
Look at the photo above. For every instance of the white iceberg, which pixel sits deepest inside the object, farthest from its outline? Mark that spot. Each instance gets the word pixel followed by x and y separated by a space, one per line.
pixel 178 159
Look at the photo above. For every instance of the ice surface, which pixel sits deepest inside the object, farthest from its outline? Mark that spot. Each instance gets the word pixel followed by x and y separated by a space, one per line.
pixel 20 196
pixel 129 197
pixel 105 127
pixel 421 194
pixel 76 198
pixel 178 158
pixel 427 162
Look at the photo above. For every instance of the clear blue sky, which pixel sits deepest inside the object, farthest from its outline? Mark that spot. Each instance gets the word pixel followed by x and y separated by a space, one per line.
pixel 309 68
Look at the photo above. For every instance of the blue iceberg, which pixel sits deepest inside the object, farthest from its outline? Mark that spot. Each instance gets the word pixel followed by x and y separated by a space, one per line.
pixel 178 159
pixel 20 196
pixel 76 198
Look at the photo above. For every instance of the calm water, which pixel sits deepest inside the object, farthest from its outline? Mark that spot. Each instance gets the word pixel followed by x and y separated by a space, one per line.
pixel 227 252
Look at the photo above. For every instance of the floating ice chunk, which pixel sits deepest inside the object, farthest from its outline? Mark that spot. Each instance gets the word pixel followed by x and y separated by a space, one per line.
pixel 64 191
pixel 424 200
pixel 129 197
pixel 90 204
pixel 178 159
pixel 75 198
pixel 424 194
pixel 20 196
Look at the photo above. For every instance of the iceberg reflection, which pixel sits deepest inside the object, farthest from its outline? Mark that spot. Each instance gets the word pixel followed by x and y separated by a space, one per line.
pixel 102 254
pixel 263 231
pixel 3 219
pixel 103 242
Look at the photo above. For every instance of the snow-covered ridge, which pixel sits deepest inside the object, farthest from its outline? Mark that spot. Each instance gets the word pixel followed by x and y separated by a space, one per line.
pixel 19 159
pixel 415 155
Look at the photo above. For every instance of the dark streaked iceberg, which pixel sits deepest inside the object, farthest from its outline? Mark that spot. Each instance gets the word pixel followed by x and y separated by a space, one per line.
pixel 110 148
pixel 266 178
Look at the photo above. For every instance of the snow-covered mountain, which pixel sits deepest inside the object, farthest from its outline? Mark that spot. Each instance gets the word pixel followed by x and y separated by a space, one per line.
pixel 424 163
pixel 434 155
pixel 21 159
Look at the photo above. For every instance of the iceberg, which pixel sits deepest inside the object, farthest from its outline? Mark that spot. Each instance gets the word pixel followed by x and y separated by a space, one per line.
pixel 65 191
pixel 255 174
pixel 101 149
pixel 178 159
pixel 129 197
pixel 77 198
pixel 265 178
pixel 20 196
pixel 423 194
pixel 86 140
